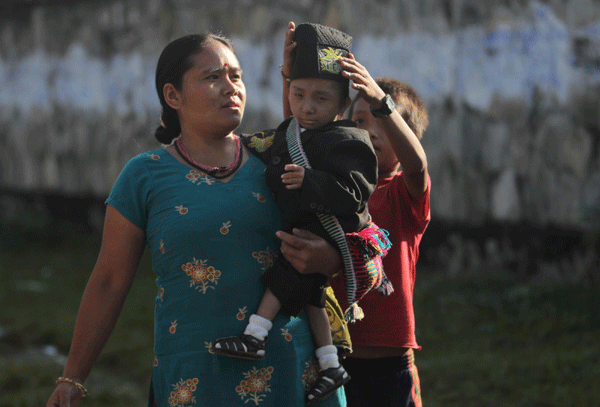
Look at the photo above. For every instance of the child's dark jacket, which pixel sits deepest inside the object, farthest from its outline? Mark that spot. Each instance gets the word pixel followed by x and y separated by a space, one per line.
pixel 342 177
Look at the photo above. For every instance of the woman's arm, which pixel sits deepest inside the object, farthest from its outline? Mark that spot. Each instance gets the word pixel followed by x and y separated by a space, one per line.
pixel 286 68
pixel 310 253
pixel 106 290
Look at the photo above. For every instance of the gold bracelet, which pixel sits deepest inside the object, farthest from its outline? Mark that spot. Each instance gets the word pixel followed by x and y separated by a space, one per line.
pixel 74 383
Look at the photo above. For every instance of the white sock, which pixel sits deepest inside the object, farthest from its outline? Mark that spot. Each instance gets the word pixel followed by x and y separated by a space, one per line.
pixel 327 356
pixel 258 327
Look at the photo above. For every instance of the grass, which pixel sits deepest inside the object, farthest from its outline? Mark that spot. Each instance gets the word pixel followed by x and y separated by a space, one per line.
pixel 492 341
pixel 488 340
pixel 44 267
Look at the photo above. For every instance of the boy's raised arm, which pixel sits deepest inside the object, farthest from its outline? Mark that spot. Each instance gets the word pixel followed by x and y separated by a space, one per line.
pixel 406 145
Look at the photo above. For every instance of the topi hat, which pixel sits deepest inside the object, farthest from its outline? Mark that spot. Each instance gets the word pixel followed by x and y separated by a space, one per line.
pixel 317 50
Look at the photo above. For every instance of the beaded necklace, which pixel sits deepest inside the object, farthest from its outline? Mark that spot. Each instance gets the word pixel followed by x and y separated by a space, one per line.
pixel 215 172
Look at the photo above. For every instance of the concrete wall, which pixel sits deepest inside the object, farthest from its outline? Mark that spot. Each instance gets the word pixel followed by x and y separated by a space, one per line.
pixel 512 88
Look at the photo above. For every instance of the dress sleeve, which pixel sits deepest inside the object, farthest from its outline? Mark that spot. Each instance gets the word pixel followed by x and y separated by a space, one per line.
pixel 344 180
pixel 130 192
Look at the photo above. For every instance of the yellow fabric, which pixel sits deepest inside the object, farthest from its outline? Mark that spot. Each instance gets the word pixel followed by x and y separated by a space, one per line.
pixel 339 326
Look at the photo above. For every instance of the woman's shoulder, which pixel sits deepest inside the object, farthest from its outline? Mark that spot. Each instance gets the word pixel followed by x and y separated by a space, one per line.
pixel 156 155
pixel 146 163
pixel 147 157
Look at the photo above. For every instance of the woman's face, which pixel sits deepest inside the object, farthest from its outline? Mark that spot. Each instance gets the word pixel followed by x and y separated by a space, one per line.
pixel 213 95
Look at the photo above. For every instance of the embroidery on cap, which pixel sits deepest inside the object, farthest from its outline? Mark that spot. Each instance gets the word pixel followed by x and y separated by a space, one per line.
pixel 328 60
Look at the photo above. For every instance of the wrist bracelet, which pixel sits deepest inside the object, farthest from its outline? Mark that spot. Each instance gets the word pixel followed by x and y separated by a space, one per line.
pixel 74 383
pixel 287 78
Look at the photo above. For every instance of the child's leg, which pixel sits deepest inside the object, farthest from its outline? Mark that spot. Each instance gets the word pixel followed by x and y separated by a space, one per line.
pixel 269 305
pixel 333 374
pixel 260 324
pixel 321 333
pixel 251 344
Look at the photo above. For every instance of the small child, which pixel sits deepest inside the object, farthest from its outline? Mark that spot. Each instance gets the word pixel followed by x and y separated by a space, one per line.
pixel 340 176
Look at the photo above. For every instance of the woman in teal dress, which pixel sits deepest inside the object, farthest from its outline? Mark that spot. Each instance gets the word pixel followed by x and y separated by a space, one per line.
pixel 202 206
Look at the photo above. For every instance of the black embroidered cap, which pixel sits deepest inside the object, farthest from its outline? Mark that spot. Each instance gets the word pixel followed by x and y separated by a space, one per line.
pixel 317 51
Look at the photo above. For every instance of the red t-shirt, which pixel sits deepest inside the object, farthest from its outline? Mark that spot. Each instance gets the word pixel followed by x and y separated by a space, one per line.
pixel 390 321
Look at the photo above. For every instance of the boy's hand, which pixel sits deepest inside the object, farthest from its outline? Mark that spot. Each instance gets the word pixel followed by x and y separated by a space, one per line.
pixel 362 81
pixel 288 46
pixel 293 177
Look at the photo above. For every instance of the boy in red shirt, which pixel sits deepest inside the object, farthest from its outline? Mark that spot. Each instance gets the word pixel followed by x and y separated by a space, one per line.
pixel 382 362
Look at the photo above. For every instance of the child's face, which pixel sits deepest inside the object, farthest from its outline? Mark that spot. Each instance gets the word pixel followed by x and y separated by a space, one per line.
pixel 387 161
pixel 316 102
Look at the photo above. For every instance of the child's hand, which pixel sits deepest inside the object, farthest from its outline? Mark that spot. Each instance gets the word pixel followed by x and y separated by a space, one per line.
pixel 293 177
pixel 362 81
pixel 288 46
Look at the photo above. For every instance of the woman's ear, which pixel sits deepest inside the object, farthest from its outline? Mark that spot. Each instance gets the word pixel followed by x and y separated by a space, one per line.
pixel 172 96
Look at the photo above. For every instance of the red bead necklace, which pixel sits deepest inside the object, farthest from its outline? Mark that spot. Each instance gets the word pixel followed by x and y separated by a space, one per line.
pixel 215 172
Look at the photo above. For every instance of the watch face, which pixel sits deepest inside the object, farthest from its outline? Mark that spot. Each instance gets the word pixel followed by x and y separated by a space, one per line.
pixel 387 107
pixel 389 104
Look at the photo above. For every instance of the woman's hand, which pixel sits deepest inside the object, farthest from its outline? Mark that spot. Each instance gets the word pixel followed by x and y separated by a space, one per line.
pixel 309 253
pixel 65 395
pixel 362 81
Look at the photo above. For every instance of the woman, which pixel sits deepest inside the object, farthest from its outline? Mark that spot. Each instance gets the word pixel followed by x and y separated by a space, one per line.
pixel 203 207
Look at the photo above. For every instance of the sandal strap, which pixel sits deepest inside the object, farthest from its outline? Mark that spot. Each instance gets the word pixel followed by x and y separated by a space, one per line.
pixel 242 346
pixel 241 343
pixel 329 380
pixel 252 342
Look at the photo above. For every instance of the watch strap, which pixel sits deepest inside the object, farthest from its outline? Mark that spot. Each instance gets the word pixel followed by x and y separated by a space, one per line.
pixel 386 108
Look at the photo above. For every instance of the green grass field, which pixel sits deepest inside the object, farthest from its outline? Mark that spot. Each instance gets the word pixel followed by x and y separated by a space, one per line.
pixel 487 340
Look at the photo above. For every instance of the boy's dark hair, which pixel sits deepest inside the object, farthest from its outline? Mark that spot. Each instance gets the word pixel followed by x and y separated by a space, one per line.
pixel 415 112
pixel 174 61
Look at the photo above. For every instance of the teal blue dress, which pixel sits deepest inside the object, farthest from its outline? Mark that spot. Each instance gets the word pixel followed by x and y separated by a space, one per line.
pixel 210 242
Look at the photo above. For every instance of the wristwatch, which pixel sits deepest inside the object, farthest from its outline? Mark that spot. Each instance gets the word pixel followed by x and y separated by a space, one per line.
pixel 386 108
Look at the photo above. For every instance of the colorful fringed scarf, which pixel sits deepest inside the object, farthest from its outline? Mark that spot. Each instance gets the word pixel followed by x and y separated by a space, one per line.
pixel 361 251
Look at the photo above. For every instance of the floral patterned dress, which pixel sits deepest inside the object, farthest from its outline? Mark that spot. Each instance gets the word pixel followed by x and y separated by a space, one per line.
pixel 210 242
